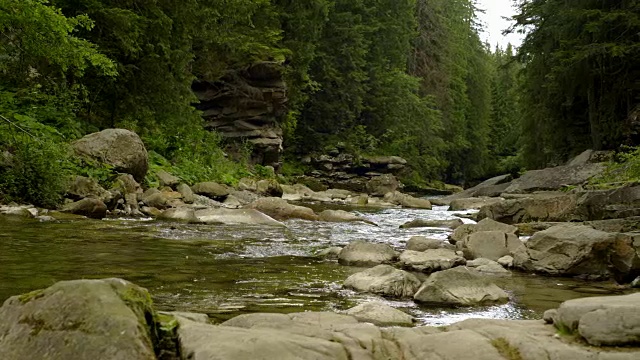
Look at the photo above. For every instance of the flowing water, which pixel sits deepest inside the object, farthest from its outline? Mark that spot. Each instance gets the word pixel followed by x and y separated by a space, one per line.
pixel 229 270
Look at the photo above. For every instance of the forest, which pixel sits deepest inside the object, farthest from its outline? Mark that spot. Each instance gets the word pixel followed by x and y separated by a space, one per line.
pixel 384 77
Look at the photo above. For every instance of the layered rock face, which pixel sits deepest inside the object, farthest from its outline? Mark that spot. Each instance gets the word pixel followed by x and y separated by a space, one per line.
pixel 247 105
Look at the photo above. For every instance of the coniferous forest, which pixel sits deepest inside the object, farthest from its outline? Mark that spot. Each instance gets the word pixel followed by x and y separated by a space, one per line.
pixel 383 77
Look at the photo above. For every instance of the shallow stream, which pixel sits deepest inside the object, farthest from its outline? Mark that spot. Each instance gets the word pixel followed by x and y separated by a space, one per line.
pixel 229 270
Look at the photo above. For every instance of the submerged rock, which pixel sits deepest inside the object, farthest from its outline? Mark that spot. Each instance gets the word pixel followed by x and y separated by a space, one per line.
pixel 460 287
pixel 445 224
pixel 362 253
pixel 235 217
pixel 342 216
pixel 384 280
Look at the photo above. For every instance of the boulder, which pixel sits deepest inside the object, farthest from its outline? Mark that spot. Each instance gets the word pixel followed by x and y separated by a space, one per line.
pixel 182 214
pixel 607 320
pixel 381 185
pixel 430 260
pixel 384 280
pixel 119 148
pixel 590 157
pixel 362 253
pixel 167 179
pixel 342 216
pixel 89 207
pixel 459 286
pixel 445 224
pixel 83 187
pixel 506 261
pixel 491 244
pixel 398 198
pixel 578 250
pixel 27 211
pixel 532 208
pixel 486 266
pixel 380 314
pixel 269 187
pixel 554 178
pixel 224 216
pixel 211 190
pixel 477 190
pixel 330 253
pixel 127 184
pixel 463 231
pixel 622 202
pixel 83 319
pixel 421 243
pixel 280 209
pixel 473 203
pixel 186 192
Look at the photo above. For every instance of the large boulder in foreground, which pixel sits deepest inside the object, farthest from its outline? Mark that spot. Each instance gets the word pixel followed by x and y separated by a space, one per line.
pixel 120 148
pixel 80 320
pixel 280 209
pixel 607 320
pixel 578 250
pixel 459 286
pixel 491 245
pixel 384 280
pixel 362 253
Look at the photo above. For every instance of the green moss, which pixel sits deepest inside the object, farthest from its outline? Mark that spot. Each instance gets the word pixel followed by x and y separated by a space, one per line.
pixel 25 298
pixel 505 349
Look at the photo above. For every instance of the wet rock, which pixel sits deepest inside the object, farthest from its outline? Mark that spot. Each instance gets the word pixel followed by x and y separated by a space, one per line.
pixel 459 286
pixel 182 214
pixel 381 185
pixel 430 260
pixel 83 187
pixel 493 186
pixel 342 216
pixel 167 179
pixel 486 266
pixel 380 314
pixel 578 250
pixel 159 200
pixel 610 320
pixel 151 211
pixel 280 209
pixel 362 253
pixel 211 190
pixel 235 217
pixel 81 319
pixel 269 187
pixel 445 224
pixel 506 261
pixel 405 200
pixel 330 253
pixel 384 280
pixel 491 244
pixel 89 207
pixel 421 243
pixel 28 211
pixel 473 203
pixel 119 148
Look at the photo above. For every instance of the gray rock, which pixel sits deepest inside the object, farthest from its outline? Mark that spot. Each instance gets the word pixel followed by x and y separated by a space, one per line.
pixel 430 260
pixel 83 187
pixel 506 261
pixel 330 253
pixel 269 188
pixel 491 244
pixel 27 211
pixel 236 217
pixel 280 209
pixel 81 319
pixel 463 231
pixel 578 250
pixel 554 178
pixel 610 320
pixel 89 207
pixel 549 316
pixel 167 179
pixel 119 148
pixel 380 314
pixel 446 224
pixel 405 200
pixel 211 190
pixel 186 192
pixel 362 253
pixel 342 216
pixel 460 286
pixel 532 208
pixel 381 185
pixel 384 280
pixel 473 203
pixel 421 243
pixel 182 214
pixel 477 190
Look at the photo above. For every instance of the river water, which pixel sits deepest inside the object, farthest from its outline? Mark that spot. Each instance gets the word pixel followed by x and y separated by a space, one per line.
pixel 229 270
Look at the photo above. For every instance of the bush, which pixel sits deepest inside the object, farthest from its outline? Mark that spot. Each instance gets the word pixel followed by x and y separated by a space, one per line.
pixel 624 168
pixel 36 172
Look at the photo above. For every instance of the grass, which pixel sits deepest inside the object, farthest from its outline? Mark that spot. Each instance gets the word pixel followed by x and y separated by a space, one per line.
pixel 505 349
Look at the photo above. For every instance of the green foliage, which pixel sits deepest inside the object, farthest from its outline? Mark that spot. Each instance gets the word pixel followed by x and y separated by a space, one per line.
pixel 505 349
pixel 624 168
